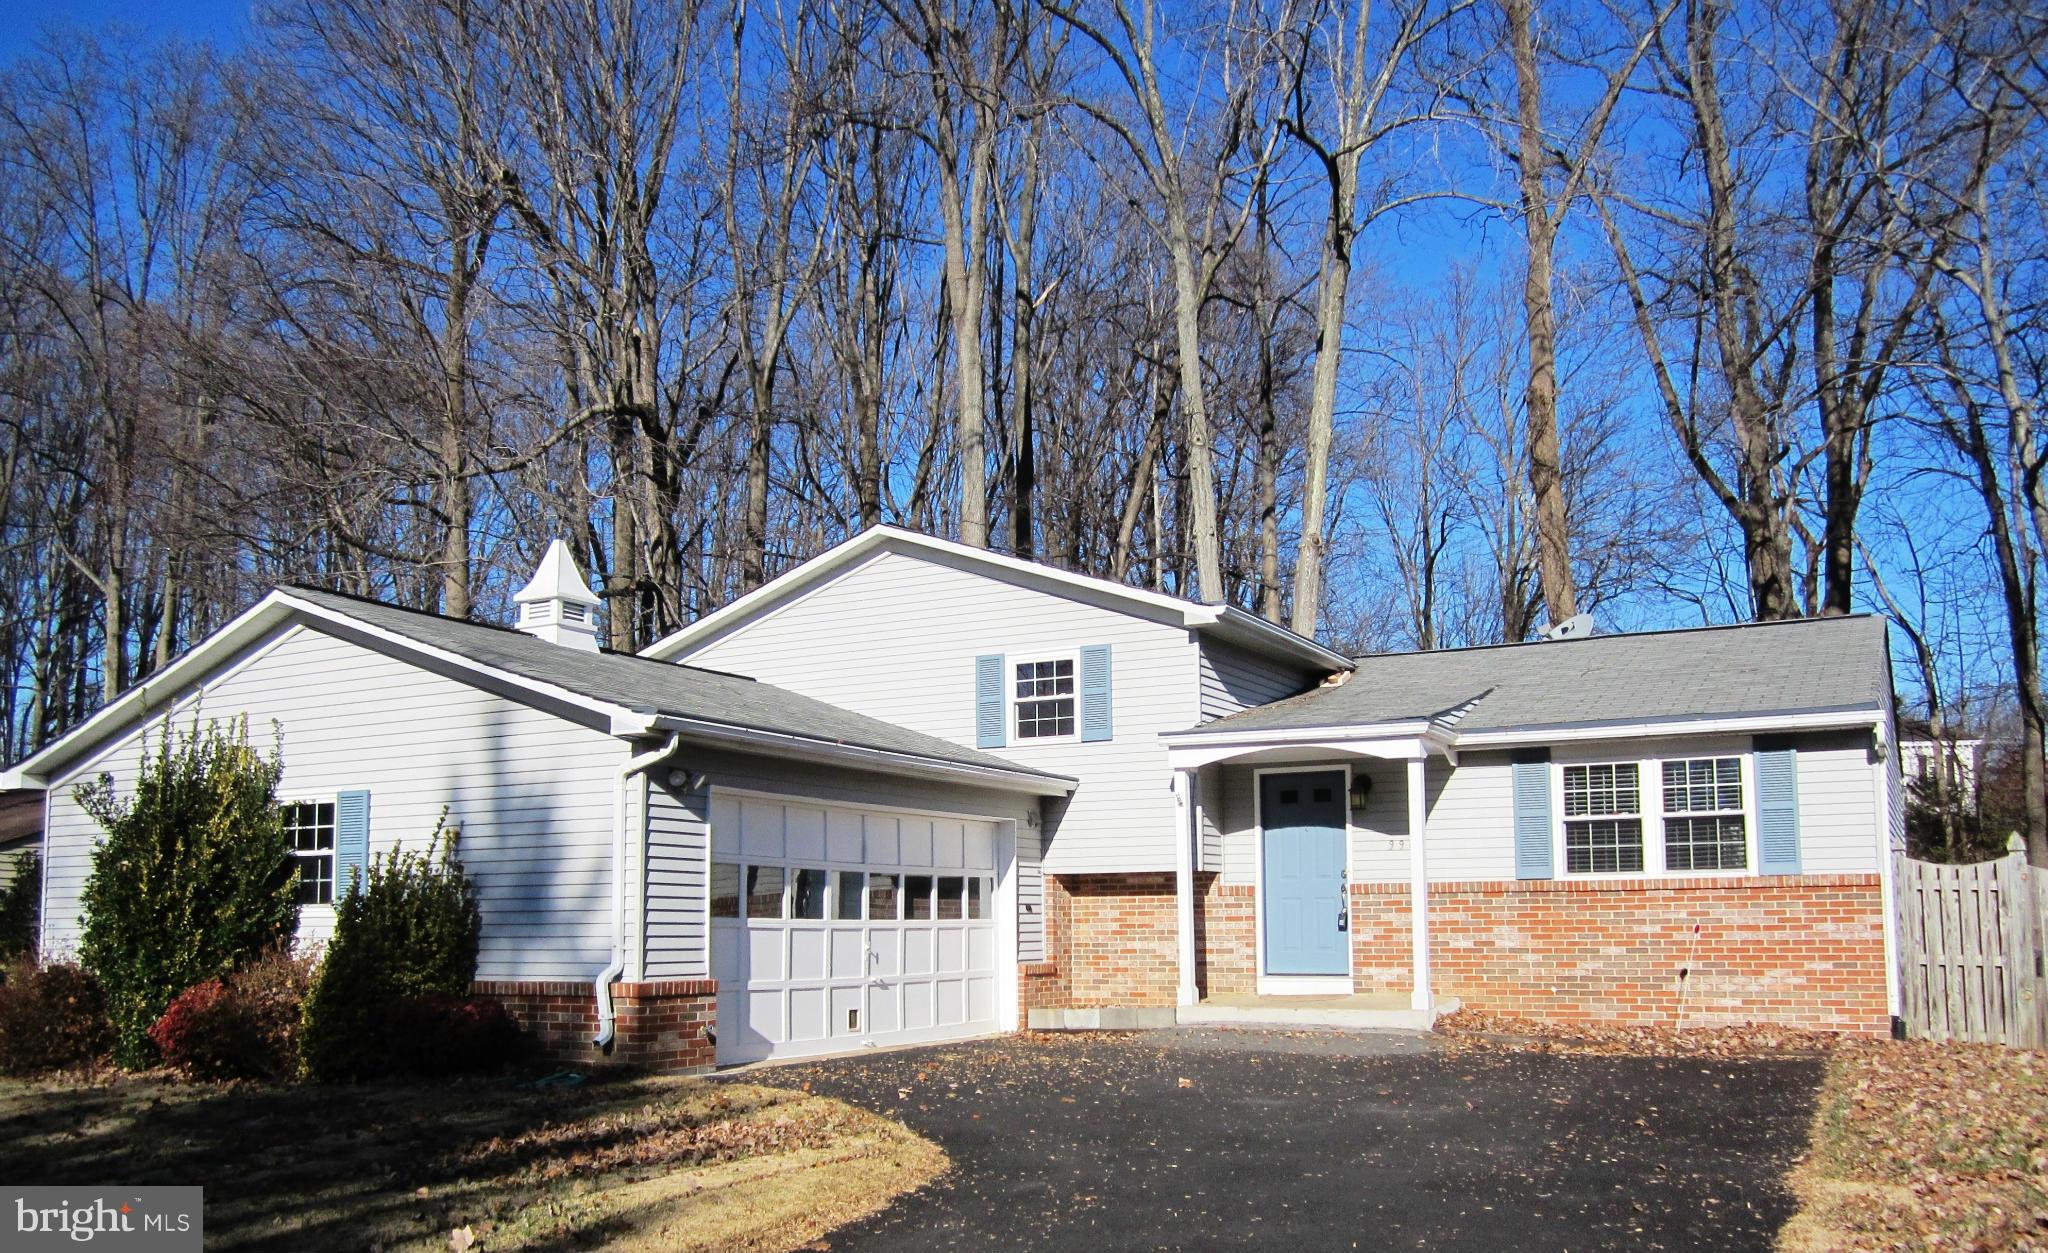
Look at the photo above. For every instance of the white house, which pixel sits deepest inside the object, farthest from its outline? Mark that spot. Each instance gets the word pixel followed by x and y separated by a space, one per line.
pixel 914 791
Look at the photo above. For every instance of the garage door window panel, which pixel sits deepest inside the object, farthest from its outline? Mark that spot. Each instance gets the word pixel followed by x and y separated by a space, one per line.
pixel 725 889
pixel 952 899
pixel 917 897
pixel 885 897
pixel 764 891
pixel 807 895
pixel 850 891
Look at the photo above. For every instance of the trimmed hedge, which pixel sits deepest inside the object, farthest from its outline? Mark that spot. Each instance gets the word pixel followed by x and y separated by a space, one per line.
pixel 409 931
pixel 194 879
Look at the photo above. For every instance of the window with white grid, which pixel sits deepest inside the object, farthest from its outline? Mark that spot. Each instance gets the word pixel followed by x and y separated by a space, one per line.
pixel 1705 825
pixel 310 826
pixel 1043 698
pixel 1603 818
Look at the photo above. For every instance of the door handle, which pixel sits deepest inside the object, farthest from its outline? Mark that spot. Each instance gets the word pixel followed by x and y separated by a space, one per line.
pixel 1343 918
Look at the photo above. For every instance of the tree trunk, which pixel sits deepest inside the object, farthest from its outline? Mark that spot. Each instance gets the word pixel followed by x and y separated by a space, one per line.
pixel 1546 474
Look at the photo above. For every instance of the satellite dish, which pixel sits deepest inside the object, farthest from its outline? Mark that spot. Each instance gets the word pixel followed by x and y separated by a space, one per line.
pixel 1578 626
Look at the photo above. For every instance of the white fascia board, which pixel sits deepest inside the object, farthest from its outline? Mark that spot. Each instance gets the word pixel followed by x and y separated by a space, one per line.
pixel 1226 620
pixel 1818 720
pixel 139 701
pixel 885 761
pixel 1200 746
pixel 264 618
pixel 1194 757
pixel 1282 737
pixel 1231 623
pixel 623 722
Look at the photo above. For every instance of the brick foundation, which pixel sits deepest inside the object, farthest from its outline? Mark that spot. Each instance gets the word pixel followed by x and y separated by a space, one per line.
pixel 660 1025
pixel 1804 951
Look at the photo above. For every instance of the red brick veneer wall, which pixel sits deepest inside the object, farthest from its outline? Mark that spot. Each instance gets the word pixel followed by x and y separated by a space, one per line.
pixel 1802 951
pixel 1044 984
pixel 1805 951
pixel 659 1025
pixel 1226 941
pixel 1120 935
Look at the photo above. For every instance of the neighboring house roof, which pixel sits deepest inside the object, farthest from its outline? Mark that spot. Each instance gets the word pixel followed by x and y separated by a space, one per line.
pixel 1223 622
pixel 640 696
pixel 1809 666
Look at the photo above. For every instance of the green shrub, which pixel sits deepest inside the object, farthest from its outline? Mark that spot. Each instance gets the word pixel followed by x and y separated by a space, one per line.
pixel 51 1018
pixel 410 930
pixel 193 880
pixel 20 908
pixel 244 1026
pixel 437 1034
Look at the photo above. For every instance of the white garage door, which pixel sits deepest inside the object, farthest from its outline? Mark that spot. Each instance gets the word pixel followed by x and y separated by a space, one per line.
pixel 837 929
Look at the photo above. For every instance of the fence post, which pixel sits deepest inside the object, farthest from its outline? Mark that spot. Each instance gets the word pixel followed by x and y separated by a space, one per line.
pixel 2029 954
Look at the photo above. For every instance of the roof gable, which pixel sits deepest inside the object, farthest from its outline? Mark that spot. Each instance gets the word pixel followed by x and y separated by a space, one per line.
pixel 1220 621
pixel 624 694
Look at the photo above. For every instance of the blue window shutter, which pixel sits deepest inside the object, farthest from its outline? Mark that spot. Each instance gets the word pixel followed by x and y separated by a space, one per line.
pixel 1532 816
pixel 1777 809
pixel 351 841
pixel 1096 723
pixel 988 701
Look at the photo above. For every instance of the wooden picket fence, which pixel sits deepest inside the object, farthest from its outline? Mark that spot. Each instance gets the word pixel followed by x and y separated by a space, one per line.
pixel 1972 947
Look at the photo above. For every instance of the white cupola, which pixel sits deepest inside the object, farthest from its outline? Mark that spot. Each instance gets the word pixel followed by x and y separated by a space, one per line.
pixel 556 605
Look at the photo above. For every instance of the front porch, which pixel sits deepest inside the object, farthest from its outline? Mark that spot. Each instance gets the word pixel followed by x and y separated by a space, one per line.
pixel 1298 863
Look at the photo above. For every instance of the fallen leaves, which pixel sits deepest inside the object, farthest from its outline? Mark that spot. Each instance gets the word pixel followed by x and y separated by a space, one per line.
pixel 1470 1030
pixel 1927 1146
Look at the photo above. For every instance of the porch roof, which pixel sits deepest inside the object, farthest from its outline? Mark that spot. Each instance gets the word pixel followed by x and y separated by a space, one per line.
pixel 1756 670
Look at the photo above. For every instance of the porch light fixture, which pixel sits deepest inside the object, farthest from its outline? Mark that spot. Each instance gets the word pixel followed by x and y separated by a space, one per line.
pixel 1361 790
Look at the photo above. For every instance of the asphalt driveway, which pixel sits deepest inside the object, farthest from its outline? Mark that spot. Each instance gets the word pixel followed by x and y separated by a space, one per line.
pixel 1311 1141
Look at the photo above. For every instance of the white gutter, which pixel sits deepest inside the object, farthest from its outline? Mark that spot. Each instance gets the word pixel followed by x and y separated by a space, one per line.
pixel 1029 782
pixel 607 1021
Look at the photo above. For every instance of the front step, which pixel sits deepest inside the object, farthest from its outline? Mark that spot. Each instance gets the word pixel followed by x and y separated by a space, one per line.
pixel 1105 1018
pixel 1354 1013
pixel 1313 1011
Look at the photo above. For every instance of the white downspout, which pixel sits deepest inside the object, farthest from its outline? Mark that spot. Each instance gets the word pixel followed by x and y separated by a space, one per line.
pixel 606 1019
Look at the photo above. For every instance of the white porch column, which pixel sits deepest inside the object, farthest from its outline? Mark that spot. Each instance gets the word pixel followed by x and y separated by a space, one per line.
pixel 1418 883
pixel 1184 882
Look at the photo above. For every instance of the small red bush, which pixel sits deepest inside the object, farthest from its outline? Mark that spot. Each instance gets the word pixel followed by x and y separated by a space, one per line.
pixel 437 1034
pixel 51 1017
pixel 242 1027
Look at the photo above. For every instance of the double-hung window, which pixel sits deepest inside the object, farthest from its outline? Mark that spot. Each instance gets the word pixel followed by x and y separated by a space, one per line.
pixel 1042 699
pixel 310 826
pixel 1603 818
pixel 1704 822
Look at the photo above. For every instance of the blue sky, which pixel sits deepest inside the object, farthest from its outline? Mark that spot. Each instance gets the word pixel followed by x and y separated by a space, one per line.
pixel 221 21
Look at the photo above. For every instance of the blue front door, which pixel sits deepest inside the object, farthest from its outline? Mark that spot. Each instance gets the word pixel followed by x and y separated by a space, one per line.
pixel 1307 929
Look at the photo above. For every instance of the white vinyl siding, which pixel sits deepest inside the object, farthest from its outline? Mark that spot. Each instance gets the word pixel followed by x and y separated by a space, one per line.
pixel 896 638
pixel 530 791
pixel 1234 679
pixel 678 844
pixel 1471 808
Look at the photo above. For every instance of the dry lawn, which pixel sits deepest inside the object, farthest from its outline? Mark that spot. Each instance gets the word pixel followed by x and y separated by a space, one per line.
pixel 1923 1146
pixel 625 1164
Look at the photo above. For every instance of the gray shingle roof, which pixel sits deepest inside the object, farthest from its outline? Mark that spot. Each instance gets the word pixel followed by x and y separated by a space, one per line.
pixel 655 687
pixel 1812 665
